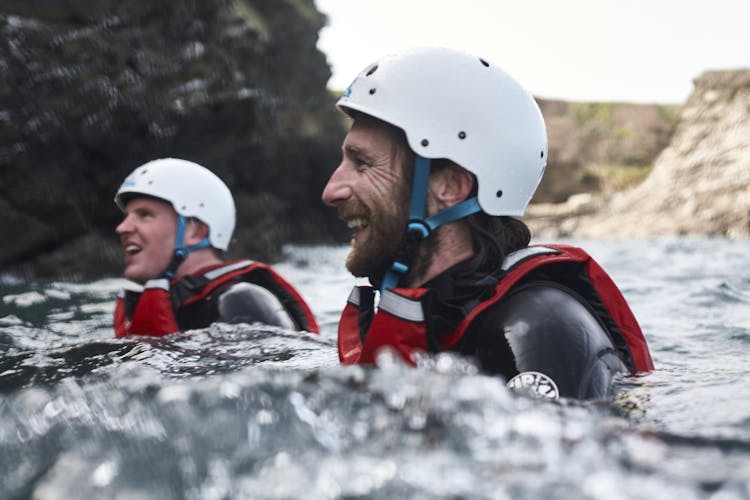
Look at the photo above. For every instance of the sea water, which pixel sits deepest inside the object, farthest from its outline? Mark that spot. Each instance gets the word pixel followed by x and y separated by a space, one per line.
pixel 247 411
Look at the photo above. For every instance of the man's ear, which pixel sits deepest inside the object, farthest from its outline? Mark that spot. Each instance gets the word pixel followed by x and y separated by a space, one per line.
pixel 195 232
pixel 451 185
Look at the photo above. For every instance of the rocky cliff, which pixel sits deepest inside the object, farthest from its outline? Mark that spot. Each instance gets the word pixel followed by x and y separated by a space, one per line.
pixel 93 88
pixel 699 183
pixel 601 146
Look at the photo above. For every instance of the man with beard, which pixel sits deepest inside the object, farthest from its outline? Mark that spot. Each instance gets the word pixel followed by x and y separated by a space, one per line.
pixel 443 150
pixel 179 219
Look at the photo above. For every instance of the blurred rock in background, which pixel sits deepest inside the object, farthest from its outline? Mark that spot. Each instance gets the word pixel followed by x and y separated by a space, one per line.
pixel 698 185
pixel 601 146
pixel 93 88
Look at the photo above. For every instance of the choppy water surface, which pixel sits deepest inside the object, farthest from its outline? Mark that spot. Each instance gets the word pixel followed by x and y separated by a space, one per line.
pixel 244 411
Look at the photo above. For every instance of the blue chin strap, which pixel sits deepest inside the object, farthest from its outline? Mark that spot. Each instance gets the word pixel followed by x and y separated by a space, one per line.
pixel 180 250
pixel 419 227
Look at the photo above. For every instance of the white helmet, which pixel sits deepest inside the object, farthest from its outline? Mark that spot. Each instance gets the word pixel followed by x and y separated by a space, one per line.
pixel 193 191
pixel 457 106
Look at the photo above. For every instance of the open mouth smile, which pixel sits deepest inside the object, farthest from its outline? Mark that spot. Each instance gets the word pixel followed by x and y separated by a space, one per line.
pixel 356 223
pixel 132 249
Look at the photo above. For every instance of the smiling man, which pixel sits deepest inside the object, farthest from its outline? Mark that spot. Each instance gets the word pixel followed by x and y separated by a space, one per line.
pixel 443 151
pixel 179 219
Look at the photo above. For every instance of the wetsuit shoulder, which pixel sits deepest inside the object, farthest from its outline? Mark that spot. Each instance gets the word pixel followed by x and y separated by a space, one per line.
pixel 545 327
pixel 249 303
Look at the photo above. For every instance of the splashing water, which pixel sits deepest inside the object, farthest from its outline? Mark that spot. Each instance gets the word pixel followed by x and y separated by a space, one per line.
pixel 248 411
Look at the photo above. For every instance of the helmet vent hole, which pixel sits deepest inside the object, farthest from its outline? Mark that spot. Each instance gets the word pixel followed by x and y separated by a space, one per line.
pixel 484 63
pixel 372 91
pixel 144 171
pixel 425 142
pixel 371 71
pixel 150 182
pixel 499 193
pixel 201 204
pixel 184 207
pixel 462 135
pixel 542 154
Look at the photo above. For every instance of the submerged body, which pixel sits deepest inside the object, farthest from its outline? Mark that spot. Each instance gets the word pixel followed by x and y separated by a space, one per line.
pixel 553 313
pixel 233 292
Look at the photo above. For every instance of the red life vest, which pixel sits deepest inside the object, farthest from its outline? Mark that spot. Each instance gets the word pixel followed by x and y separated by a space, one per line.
pixel 399 322
pixel 155 305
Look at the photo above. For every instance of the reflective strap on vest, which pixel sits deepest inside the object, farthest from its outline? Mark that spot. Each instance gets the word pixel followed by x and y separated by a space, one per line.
pixel 161 283
pixel 221 271
pixel 401 307
pixel 353 298
pixel 519 255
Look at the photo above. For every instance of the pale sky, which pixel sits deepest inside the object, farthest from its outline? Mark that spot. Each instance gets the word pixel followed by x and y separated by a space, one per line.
pixel 584 50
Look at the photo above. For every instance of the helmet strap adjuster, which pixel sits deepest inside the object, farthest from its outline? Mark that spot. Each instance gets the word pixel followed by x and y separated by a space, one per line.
pixel 181 252
pixel 420 228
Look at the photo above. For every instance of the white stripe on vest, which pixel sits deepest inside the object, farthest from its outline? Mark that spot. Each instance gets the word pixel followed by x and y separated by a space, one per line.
pixel 354 297
pixel 515 257
pixel 162 283
pixel 221 271
pixel 401 307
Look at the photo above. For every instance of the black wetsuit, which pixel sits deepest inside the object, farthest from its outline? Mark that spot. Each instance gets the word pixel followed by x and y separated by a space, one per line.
pixel 237 303
pixel 545 327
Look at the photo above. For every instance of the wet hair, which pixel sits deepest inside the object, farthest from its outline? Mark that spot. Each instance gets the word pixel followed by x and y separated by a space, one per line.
pixel 493 237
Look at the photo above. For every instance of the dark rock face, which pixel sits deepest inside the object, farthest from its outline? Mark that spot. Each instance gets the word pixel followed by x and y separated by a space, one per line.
pixel 94 88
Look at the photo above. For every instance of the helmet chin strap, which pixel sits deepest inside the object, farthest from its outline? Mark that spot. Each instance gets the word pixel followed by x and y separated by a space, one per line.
pixel 180 251
pixel 419 227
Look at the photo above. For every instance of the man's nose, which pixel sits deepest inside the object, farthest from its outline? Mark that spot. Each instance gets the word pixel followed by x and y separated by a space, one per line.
pixel 125 226
pixel 338 188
